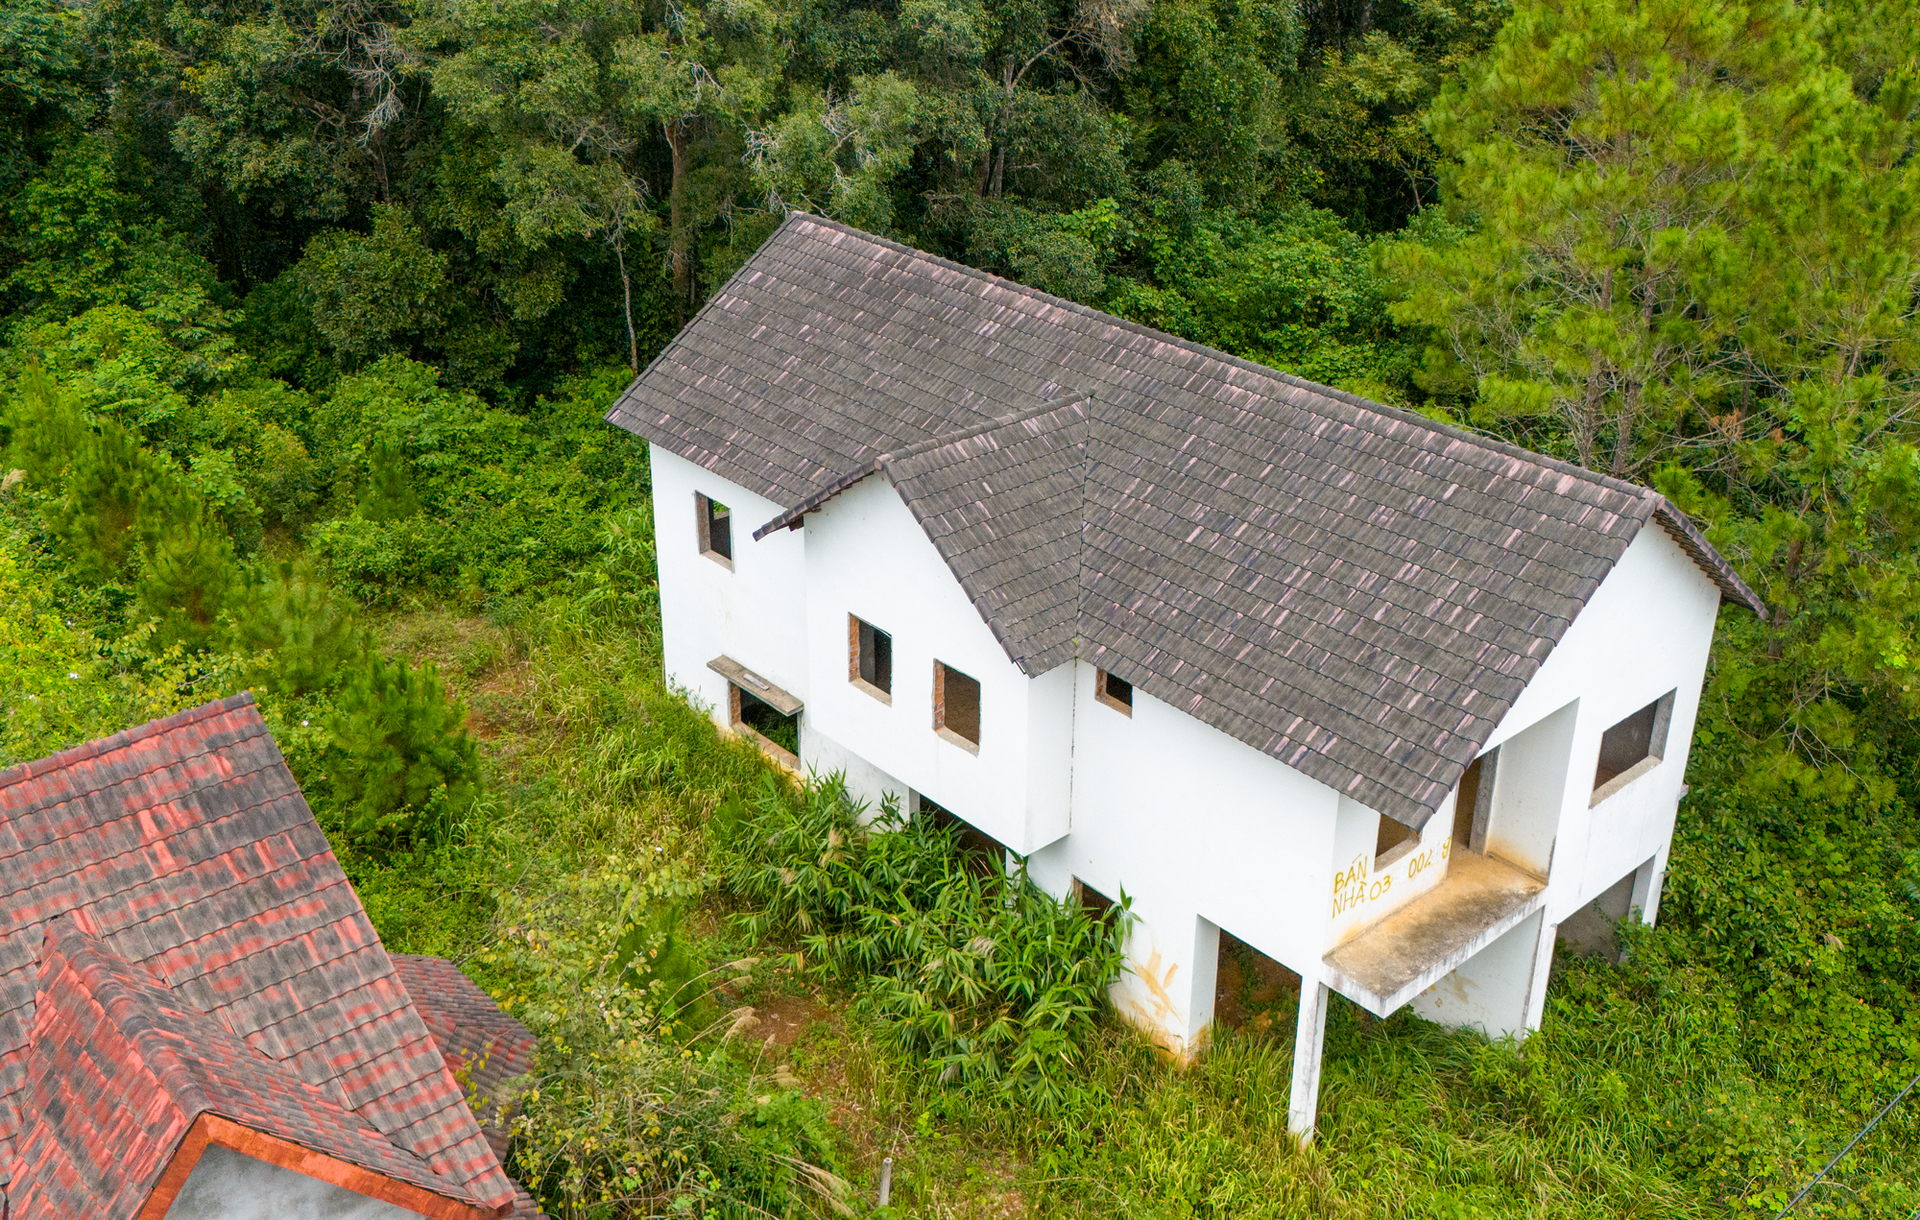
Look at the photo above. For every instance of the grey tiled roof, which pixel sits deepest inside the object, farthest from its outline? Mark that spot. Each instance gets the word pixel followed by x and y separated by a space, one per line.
pixel 1353 589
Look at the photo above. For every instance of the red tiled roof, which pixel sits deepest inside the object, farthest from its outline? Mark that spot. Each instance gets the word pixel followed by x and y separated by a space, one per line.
pixel 119 1070
pixel 187 848
pixel 484 1048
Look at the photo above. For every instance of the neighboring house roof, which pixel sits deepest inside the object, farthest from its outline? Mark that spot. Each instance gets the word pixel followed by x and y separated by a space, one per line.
pixel 185 848
pixel 484 1048
pixel 1354 589
pixel 119 1070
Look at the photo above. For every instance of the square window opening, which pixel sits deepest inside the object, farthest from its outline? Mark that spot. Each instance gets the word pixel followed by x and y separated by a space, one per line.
pixel 776 733
pixel 1632 747
pixel 716 530
pixel 870 659
pixel 1096 904
pixel 985 855
pixel 956 706
pixel 1116 693
pixel 1392 841
pixel 1473 802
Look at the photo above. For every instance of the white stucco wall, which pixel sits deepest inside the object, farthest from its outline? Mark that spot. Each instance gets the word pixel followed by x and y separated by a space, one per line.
pixel 1198 829
pixel 755 613
pixel 1203 832
pixel 1645 631
pixel 867 556
pixel 229 1185
pixel 1362 894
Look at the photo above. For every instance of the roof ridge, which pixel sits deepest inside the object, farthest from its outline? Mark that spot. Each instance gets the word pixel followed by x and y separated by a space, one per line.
pixel 1402 414
pixel 125 737
pixel 981 429
pixel 789 516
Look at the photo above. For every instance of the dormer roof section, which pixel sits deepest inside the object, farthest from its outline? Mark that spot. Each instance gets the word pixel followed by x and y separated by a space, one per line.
pixel 120 1072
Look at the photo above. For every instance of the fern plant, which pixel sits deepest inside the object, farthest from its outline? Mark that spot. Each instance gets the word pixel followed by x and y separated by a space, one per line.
pixel 991 980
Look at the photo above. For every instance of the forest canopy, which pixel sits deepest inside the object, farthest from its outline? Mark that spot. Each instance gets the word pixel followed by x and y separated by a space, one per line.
pixel 309 312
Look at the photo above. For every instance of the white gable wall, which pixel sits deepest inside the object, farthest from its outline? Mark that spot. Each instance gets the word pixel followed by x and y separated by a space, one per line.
pixel 867 556
pixel 755 613
pixel 1645 631
pixel 229 1185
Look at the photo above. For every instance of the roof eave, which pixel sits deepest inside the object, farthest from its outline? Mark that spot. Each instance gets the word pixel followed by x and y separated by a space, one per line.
pixel 1694 543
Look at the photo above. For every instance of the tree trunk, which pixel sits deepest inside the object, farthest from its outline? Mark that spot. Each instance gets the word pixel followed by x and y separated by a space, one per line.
pixel 1586 423
pixel 1623 430
pixel 679 225
pixel 626 301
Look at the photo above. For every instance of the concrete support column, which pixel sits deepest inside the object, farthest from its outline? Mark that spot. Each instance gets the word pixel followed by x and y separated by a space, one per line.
pixel 1203 982
pixel 1309 1042
pixel 1536 1009
pixel 1647 880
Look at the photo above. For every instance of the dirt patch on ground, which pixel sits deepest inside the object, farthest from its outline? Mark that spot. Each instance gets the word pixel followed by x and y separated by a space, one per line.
pixel 1252 991
pixel 780 1020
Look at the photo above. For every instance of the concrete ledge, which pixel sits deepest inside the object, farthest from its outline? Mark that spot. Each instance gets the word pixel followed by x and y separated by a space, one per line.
pixel 738 674
pixel 1388 964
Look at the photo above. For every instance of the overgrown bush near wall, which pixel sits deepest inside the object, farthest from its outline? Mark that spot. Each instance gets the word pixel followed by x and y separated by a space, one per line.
pixel 627 1113
pixel 987 979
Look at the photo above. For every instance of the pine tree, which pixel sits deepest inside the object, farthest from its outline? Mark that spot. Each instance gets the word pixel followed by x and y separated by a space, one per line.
pixel 1693 256
pixel 306 632
pixel 186 567
pixel 98 475
pixel 404 770
pixel 1600 157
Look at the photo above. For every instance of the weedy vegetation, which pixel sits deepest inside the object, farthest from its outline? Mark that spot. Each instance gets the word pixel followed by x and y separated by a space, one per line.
pixel 313 408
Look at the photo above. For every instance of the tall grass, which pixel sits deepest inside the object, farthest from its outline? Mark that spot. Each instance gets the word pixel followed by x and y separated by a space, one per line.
pixel 984 978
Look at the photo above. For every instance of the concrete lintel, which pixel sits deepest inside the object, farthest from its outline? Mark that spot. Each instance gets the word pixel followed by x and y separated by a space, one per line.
pixel 1439 968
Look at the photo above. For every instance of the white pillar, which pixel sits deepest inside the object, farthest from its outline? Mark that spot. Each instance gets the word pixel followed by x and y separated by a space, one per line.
pixel 1536 1009
pixel 1309 1040
pixel 1167 990
pixel 1202 983
pixel 1647 880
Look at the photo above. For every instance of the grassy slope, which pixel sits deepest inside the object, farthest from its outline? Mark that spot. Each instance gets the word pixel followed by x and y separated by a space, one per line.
pixel 1635 1100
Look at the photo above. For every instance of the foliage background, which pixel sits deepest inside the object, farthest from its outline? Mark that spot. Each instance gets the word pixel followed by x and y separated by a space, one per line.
pixel 308 316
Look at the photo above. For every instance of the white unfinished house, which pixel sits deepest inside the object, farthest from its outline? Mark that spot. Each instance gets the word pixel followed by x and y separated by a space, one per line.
pixel 1385 701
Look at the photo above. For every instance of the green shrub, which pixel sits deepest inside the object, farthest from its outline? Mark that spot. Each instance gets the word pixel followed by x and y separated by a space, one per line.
pixel 402 768
pixel 186 569
pixel 993 982
pixel 303 633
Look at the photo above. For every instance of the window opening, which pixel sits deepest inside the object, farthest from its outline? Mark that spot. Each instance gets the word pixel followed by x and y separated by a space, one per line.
pixel 985 855
pixel 870 659
pixel 1392 841
pixel 1629 748
pixel 1251 991
pixel 1474 801
pixel 778 734
pixel 1116 693
pixel 716 529
pixel 956 706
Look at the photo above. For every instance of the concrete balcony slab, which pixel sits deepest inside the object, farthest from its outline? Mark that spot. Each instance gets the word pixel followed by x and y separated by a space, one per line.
pixel 1407 952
